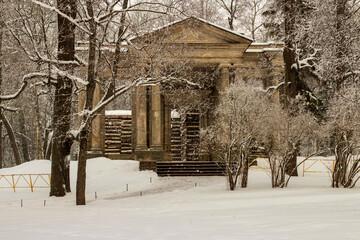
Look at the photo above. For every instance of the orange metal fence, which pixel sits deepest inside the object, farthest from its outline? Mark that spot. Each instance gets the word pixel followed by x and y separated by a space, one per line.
pixel 25 181
pixel 328 163
pixel 309 165
pixel 256 158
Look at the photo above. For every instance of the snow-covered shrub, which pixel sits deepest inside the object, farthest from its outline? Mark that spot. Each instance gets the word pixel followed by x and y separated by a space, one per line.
pixel 343 128
pixel 283 131
pixel 238 120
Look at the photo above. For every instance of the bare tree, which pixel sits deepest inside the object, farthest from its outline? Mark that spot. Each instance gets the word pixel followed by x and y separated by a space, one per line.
pixel 23 138
pixel 251 17
pixel 233 8
pixel 237 129
pixel 343 129
pixel 283 132
pixel 60 182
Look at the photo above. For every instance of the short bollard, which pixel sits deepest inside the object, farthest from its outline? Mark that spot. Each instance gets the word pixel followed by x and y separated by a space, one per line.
pixel 195 184
pixel 127 187
pixel 140 193
pixel 150 180
pixel 21 203
pixel 95 195
pixel 44 203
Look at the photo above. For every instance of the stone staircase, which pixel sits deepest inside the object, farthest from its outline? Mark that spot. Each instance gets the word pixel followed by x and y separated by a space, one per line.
pixel 190 168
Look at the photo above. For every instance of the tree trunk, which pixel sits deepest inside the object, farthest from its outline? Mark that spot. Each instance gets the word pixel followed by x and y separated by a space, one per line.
pixel 1 64
pixel 340 42
pixel 245 171
pixel 39 146
pixel 291 162
pixel 85 133
pixel 290 90
pixel 121 32
pixel 291 81
pixel 60 177
pixel 183 135
pixel 339 171
pixel 23 140
pixel 12 138
pixel 47 146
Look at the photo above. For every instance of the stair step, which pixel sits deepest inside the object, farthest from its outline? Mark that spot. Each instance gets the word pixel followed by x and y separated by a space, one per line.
pixel 190 168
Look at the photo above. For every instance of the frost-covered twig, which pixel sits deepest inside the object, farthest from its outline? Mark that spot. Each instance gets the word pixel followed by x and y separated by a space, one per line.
pixel 54 9
pixel 23 85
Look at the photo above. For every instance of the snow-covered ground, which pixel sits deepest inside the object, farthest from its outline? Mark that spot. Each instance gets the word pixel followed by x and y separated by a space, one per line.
pixel 179 208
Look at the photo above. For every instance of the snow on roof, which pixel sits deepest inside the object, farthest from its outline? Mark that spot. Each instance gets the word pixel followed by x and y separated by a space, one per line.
pixel 265 43
pixel 261 50
pixel 110 49
pixel 118 112
pixel 225 29
pixel 174 113
pixel 255 50
pixel 199 19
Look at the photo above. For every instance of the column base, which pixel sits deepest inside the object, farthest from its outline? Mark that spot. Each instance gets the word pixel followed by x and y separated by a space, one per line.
pixel 204 156
pixel 95 152
pixel 149 155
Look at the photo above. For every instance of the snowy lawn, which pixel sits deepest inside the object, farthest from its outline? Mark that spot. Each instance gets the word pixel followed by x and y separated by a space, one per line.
pixel 174 208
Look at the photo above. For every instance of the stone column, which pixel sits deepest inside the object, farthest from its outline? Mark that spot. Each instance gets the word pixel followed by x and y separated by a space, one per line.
pixel 224 79
pixel 156 118
pixel 98 126
pixel 157 125
pixel 141 119
pixel 204 155
pixel 221 84
pixel 167 132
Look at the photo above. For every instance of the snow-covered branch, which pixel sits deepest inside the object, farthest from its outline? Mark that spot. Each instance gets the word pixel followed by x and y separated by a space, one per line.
pixel 305 63
pixel 23 85
pixel 74 78
pixel 54 9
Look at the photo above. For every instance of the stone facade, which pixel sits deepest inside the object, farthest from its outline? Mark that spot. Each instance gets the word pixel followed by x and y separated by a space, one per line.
pixel 206 47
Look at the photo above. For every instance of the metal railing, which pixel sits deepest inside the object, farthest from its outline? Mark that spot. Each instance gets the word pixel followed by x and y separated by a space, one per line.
pixel 256 158
pixel 328 163
pixel 25 181
pixel 309 165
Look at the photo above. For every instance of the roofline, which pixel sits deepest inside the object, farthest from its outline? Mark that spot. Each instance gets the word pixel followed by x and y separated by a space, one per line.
pixel 222 28
pixel 197 18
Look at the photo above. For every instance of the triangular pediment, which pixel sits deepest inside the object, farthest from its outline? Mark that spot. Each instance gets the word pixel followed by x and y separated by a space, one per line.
pixel 193 30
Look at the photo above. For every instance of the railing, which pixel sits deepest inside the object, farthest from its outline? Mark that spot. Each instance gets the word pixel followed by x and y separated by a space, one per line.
pixel 309 165
pixel 25 181
pixel 255 159
pixel 328 163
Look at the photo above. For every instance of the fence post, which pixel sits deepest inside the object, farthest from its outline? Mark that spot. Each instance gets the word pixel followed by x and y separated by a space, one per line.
pixel 31 184
pixel 13 182
pixel 304 168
